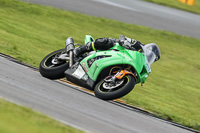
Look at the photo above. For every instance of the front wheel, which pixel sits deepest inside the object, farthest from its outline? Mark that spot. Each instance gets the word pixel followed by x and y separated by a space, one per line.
pixel 108 91
pixel 52 67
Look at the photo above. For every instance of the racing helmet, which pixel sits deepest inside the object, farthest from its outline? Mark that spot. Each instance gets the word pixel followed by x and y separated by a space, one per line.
pixel 152 52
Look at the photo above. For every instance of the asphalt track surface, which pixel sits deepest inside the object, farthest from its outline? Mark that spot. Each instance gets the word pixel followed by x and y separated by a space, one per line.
pixel 72 106
pixel 134 11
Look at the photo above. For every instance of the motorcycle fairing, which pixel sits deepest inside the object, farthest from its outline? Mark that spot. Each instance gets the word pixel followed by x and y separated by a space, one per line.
pixel 117 55
pixel 76 74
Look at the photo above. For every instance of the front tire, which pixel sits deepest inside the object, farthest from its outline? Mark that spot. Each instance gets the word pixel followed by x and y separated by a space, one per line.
pixel 104 93
pixel 53 70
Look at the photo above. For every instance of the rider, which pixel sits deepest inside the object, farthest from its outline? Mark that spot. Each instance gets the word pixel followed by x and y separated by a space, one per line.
pixel 151 50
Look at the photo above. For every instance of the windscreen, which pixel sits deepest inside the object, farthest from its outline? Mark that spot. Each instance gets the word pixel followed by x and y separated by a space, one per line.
pixel 149 54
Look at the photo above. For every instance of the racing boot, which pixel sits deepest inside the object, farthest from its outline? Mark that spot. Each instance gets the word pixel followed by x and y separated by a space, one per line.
pixel 82 49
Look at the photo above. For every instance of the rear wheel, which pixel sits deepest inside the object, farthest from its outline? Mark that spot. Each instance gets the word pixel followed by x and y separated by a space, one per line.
pixel 110 91
pixel 52 67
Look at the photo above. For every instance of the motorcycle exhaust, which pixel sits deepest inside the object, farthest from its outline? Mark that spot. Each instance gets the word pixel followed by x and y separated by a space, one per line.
pixel 69 49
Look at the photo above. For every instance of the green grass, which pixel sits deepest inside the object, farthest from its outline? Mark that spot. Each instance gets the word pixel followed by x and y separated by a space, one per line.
pixel 28 32
pixel 179 5
pixel 16 119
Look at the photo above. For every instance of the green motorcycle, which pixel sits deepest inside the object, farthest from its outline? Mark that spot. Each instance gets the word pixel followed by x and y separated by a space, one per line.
pixel 110 73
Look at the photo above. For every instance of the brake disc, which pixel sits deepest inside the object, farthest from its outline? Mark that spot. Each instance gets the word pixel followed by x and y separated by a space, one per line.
pixel 110 86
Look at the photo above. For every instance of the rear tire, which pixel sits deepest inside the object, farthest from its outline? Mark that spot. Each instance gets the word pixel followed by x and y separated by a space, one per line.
pixel 49 70
pixel 122 90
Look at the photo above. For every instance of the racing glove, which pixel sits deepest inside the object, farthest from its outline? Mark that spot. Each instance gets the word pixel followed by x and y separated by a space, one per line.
pixel 129 43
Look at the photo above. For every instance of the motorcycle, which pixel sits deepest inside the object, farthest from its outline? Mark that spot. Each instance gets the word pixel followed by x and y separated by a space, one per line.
pixel 111 73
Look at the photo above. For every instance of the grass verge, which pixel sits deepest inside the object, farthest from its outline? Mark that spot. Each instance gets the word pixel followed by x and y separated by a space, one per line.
pixel 179 5
pixel 28 32
pixel 16 119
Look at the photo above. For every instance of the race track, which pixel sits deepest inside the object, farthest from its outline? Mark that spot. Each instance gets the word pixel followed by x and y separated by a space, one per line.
pixel 134 11
pixel 77 108
pixel 73 106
